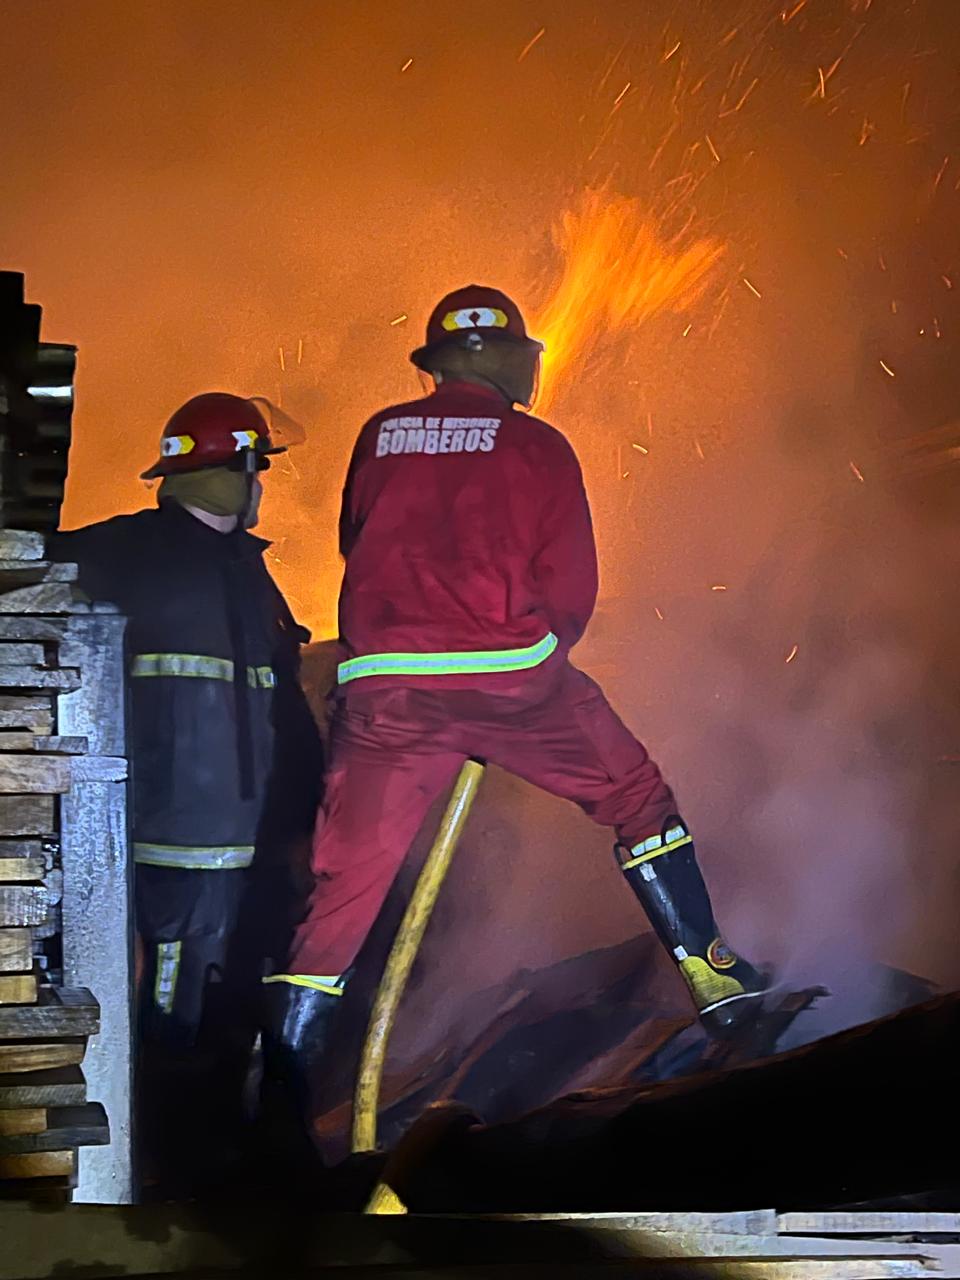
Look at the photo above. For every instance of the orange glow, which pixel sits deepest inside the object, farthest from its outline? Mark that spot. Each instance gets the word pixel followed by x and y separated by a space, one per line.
pixel 617 271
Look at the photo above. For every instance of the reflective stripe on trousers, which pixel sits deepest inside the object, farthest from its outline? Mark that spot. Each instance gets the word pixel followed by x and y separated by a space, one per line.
pixel 330 984
pixel 197 666
pixel 475 662
pixel 168 970
pixel 193 857
pixel 654 846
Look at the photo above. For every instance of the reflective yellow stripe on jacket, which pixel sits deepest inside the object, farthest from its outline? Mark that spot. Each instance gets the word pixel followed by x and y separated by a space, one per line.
pixel 193 857
pixel 477 662
pixel 198 666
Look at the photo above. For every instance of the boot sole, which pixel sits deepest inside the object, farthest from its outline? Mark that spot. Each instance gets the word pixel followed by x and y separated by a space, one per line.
pixel 738 1011
pixel 733 1000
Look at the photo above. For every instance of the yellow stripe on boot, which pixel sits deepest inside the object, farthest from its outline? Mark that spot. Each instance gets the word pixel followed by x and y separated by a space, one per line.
pixel 706 985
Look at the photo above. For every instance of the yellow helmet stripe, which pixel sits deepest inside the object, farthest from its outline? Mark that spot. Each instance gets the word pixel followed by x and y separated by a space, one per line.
pixel 475 318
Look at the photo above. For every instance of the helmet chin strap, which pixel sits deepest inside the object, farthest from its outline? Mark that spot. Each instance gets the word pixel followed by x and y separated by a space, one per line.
pixel 249 472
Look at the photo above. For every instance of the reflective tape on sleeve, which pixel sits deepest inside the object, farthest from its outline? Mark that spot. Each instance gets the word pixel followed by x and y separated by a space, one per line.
pixel 197 666
pixel 655 846
pixel 193 857
pixel 476 662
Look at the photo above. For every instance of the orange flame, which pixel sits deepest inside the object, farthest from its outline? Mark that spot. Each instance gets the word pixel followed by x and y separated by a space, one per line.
pixel 618 270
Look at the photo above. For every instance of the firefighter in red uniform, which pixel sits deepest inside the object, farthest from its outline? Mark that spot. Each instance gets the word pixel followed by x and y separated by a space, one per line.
pixel 470 575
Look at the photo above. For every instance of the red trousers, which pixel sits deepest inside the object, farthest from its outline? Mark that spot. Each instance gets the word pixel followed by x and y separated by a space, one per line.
pixel 394 750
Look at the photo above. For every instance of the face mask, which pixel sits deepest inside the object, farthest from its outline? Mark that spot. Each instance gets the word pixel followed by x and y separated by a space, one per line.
pixel 220 491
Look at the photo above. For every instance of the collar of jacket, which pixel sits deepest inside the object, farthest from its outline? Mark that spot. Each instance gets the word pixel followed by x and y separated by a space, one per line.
pixel 180 523
pixel 459 388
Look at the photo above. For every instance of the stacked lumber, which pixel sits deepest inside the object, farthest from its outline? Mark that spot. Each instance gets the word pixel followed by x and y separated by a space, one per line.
pixel 44 1027
pixel 36 408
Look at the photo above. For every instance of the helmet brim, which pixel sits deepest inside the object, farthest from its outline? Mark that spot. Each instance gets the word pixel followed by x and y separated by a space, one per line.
pixel 421 357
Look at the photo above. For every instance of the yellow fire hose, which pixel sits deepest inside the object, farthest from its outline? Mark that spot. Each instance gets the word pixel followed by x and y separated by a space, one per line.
pixel 397 970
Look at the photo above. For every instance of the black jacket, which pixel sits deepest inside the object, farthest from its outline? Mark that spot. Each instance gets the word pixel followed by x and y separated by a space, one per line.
pixel 222 743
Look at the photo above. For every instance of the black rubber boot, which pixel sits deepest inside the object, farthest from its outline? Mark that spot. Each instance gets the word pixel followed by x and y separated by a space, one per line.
pixel 295 1039
pixel 664 874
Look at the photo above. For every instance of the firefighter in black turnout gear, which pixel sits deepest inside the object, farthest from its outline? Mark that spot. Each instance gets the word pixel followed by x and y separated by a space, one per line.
pixel 225 763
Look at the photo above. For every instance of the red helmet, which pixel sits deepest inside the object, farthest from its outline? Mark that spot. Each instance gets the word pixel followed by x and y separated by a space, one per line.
pixel 212 430
pixel 475 309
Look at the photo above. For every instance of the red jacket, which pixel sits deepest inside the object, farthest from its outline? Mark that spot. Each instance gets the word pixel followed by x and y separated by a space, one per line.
pixel 468 543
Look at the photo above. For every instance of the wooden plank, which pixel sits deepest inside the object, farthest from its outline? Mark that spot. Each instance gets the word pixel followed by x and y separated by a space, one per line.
pixel 22 848
pixel 56 1087
pixel 41 1056
pixel 46 597
pixel 84 1126
pixel 27 815
pixel 23 573
pixel 44 851
pixel 20 870
pixel 20 544
pixel 56 744
pixel 869 1223
pixel 718 1244
pixel 16 950
pixel 60 1012
pixel 34 775
pixel 22 1120
pixel 61 744
pixel 27 711
pixel 37 1164
pixel 671 1245
pixel 174 1239
pixel 164 1240
pixel 30 655
pixel 32 628
pixel 62 679
pixel 18 988
pixel 22 905
pixel 748 1222
pixel 38 1191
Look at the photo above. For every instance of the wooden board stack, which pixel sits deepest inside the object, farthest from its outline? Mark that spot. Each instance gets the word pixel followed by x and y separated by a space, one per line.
pixel 44 1113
